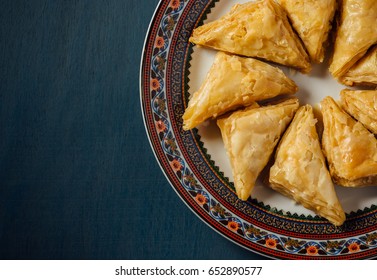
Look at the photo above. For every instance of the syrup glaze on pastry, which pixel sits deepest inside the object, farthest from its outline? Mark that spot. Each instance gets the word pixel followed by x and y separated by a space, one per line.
pixel 255 29
pixel 362 105
pixel 364 72
pixel 250 137
pixel 234 82
pixel 300 170
pixel 312 21
pixel 350 149
pixel 356 33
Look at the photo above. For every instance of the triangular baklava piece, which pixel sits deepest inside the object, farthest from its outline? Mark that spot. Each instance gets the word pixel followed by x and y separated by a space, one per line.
pixel 356 33
pixel 350 149
pixel 255 29
pixel 232 82
pixel 312 22
pixel 250 137
pixel 362 105
pixel 364 72
pixel 300 170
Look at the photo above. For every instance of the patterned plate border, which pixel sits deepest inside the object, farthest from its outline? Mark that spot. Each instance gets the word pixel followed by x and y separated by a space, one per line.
pixel 163 94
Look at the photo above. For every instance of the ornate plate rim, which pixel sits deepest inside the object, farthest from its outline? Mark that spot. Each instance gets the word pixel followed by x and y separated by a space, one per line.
pixel 271 250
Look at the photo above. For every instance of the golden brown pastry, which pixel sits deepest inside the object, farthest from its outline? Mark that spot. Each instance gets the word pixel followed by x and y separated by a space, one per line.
pixel 300 170
pixel 364 72
pixel 312 21
pixel 362 105
pixel 255 29
pixel 357 32
pixel 250 137
pixel 232 82
pixel 350 149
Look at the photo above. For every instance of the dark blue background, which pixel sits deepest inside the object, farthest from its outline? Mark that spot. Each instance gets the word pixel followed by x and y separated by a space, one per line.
pixel 78 177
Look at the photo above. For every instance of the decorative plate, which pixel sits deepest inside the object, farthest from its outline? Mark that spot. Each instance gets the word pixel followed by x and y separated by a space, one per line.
pixel 196 165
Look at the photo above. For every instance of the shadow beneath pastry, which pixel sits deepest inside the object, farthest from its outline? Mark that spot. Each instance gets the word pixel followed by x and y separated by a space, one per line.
pixel 262 188
pixel 321 70
pixel 353 199
pixel 318 71
pixel 209 130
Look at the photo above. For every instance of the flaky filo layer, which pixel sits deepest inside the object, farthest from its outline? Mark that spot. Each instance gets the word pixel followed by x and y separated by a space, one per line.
pixel 350 149
pixel 234 82
pixel 255 29
pixel 362 105
pixel 356 33
pixel 364 71
pixel 312 20
pixel 250 137
pixel 300 171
